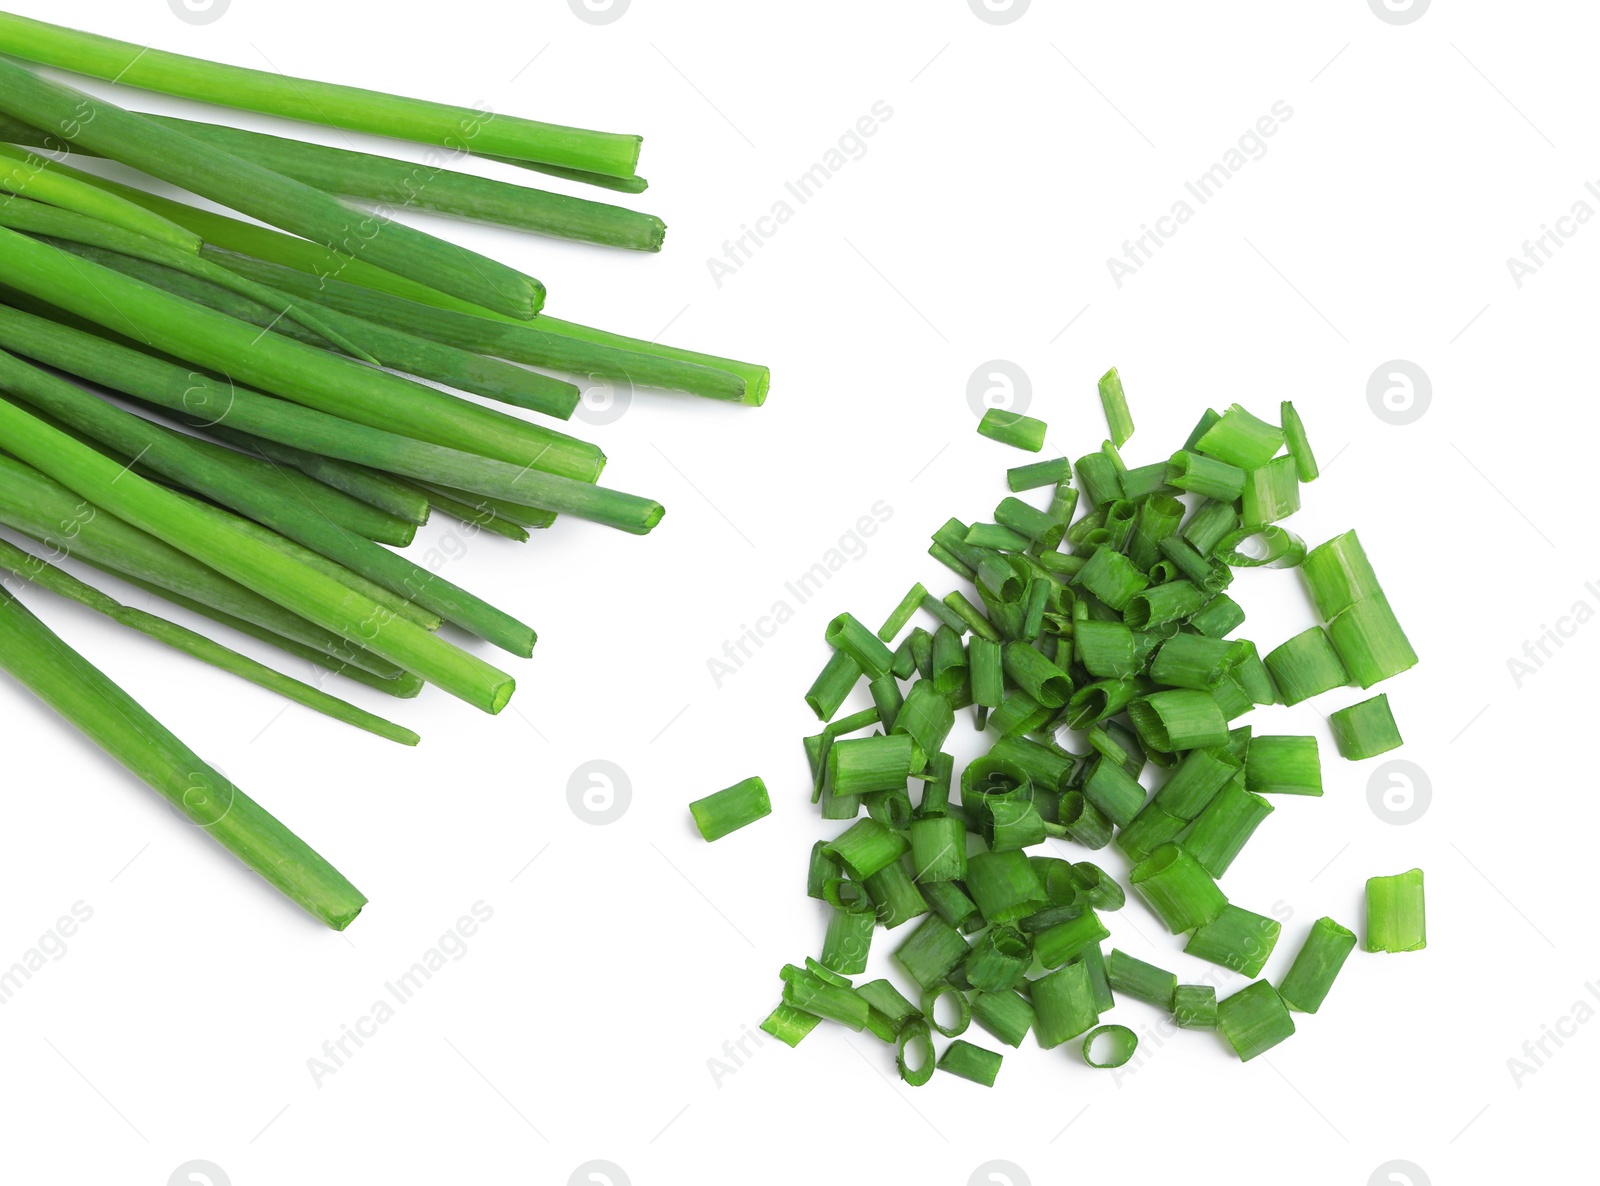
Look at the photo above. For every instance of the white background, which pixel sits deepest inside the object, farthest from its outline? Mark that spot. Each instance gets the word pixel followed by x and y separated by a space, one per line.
pixel 976 226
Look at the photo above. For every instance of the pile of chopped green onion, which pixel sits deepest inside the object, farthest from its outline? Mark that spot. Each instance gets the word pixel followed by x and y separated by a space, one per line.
pixel 1092 648
pixel 250 420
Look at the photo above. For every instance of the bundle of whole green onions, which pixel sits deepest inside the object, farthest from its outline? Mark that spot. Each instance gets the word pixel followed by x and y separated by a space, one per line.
pixel 1114 628
pixel 272 438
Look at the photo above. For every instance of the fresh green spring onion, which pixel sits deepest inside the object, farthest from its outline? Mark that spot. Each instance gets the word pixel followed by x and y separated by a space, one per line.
pixel 1396 919
pixel 1205 476
pixel 1270 547
pixel 1294 433
pixel 113 720
pixel 1013 428
pixel 1194 1006
pixel 1222 829
pixel 1365 730
pixel 1305 986
pixel 732 808
pixel 1039 473
pixel 350 108
pixel 790 1025
pixel 1271 492
pixel 1370 642
pixel 1122 1043
pixel 1139 980
pixel 1254 1020
pixel 1306 666
pixel 1063 1005
pixel 1238 939
pixel 1179 890
pixel 1283 766
pixel 1241 439
pixel 1115 403
pixel 963 1059
pixel 46 575
pixel 1005 1014
pixel 1179 719
pixel 28 175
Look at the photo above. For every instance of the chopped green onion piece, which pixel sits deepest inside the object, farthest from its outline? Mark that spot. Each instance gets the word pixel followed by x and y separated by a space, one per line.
pixel 1158 517
pixel 1063 1005
pixel 1195 661
pixel 1211 521
pixel 1178 720
pixel 1013 428
pixel 1316 965
pixel 1112 577
pixel 886 999
pixel 1222 829
pixel 886 698
pixel 1039 473
pixel 902 613
pixel 866 846
pixel 949 661
pixel 1063 503
pixel 1207 419
pixel 987 672
pixel 848 939
pixel 1066 940
pixel 1283 766
pixel 1171 601
pixel 1205 476
pixel 1306 666
pixel 1005 886
pixel 1139 980
pixel 1396 919
pixel 949 559
pixel 1365 730
pixel 1041 679
pixel 1141 482
pixel 1018 713
pixel 926 716
pixel 1097 887
pixel 930 1003
pixel 1121 1040
pixel 1005 1014
pixel 1194 1006
pixel 1241 439
pixel 1254 1020
pixel 1148 831
pixel 1114 791
pixel 790 1025
pixel 1083 821
pixel 1294 433
pixel 813 994
pixel 932 951
pixel 847 634
pixel 1178 889
pixel 842 893
pixel 895 895
pixel 914 1035
pixel 1105 648
pixel 1338 574
pixel 1099 478
pixel 1271 492
pixel 950 903
pixel 1115 403
pixel 998 537
pixel 938 848
pixel 1029 521
pixel 1370 642
pixel 862 765
pixel 963 1059
pixel 960 614
pixel 1273 547
pixel 1238 939
pixel 1196 782
pixel 999 958
pixel 730 809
